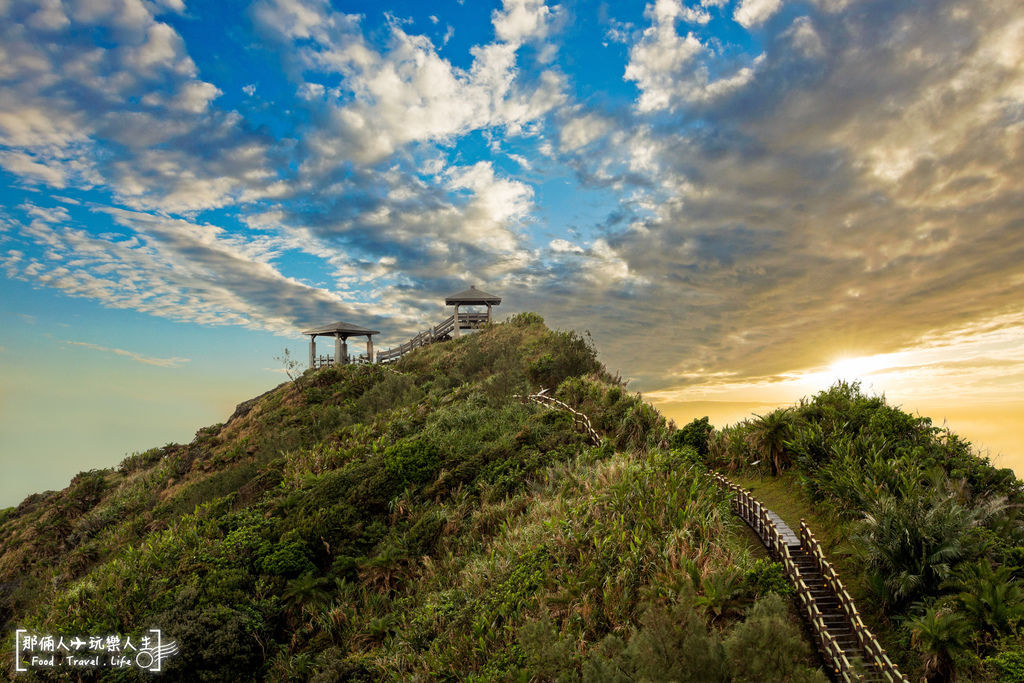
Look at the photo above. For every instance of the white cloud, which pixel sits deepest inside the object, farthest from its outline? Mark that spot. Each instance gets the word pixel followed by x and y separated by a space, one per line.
pixel 671 70
pixel 49 17
pixel 123 14
pixel 752 13
pixel 33 169
pixel 33 127
pixel 868 194
pixel 580 131
pixel 163 49
pixel 521 160
pixel 173 362
pixel 804 38
pixel 195 96
pixel 409 93
pixel 560 246
pixel 604 267
pixel 495 203
pixel 177 270
pixel 55 214
pixel 657 59
pixel 521 20
pixel 173 5
pixel 693 15
pixel 132 116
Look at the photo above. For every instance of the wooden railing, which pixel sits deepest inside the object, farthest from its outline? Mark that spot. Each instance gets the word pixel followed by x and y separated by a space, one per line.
pixel 876 657
pixel 322 361
pixel 756 515
pixel 578 418
pixel 440 331
pixel 325 361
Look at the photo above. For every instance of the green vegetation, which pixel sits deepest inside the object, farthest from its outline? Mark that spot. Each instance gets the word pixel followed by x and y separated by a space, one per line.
pixel 416 522
pixel 927 535
pixel 423 521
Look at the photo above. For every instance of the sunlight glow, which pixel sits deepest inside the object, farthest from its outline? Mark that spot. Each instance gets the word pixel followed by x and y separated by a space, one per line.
pixel 857 368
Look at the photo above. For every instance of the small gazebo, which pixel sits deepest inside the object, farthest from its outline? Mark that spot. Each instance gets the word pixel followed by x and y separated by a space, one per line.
pixel 341 331
pixel 471 297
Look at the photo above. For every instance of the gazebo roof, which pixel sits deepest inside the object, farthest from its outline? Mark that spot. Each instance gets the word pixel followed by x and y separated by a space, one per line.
pixel 342 328
pixel 472 296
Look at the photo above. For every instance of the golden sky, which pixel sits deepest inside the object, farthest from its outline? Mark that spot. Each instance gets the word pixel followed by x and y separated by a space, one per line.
pixel 968 379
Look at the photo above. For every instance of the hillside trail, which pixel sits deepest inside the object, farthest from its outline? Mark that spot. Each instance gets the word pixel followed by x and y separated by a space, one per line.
pixel 848 647
pixel 851 651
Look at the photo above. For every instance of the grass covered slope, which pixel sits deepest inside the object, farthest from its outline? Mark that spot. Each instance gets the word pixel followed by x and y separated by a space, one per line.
pixel 414 522
pixel 928 536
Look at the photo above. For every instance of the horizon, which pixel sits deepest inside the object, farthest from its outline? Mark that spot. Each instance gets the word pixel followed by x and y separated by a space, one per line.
pixel 742 200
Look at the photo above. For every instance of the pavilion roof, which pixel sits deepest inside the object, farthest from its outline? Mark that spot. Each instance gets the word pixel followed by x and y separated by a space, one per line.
pixel 342 328
pixel 472 296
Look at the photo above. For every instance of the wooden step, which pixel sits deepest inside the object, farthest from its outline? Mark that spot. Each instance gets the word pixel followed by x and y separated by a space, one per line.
pixel 832 614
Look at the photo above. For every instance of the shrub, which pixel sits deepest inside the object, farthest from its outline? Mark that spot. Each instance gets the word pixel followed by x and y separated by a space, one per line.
pixel 412 460
pixel 394 391
pixel 549 656
pixel 422 537
pixel 571 355
pixel 1006 667
pixel 289 559
pixel 139 461
pixel 213 640
pixel 695 435
pixel 671 644
pixel 86 490
pixel 768 646
pixel 767 577
pixel 767 435
pixel 525 319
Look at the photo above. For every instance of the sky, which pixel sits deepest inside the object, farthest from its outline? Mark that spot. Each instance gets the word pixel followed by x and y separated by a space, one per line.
pixel 741 200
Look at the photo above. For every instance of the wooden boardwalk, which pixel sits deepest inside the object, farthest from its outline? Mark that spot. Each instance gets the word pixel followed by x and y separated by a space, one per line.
pixel 851 651
pixel 789 537
pixel 440 332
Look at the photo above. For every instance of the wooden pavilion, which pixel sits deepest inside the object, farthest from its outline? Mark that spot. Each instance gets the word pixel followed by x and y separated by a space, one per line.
pixel 470 297
pixel 341 331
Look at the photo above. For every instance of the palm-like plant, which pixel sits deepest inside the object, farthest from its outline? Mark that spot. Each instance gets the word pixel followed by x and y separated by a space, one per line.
pixel 721 593
pixel 768 435
pixel 941 635
pixel 991 598
pixel 307 589
pixel 910 544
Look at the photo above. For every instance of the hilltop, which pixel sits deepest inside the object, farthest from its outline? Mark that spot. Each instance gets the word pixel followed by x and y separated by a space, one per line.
pixel 410 521
pixel 423 521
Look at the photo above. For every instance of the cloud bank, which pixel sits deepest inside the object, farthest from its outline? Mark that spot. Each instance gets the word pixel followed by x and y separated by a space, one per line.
pixel 765 185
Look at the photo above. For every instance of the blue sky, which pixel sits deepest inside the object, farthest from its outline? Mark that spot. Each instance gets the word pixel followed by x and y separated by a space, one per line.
pixel 741 199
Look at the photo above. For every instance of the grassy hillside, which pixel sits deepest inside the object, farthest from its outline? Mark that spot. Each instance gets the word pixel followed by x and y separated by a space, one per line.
pixel 928 536
pixel 414 522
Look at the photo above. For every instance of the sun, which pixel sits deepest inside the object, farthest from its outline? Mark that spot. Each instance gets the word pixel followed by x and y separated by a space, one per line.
pixel 856 368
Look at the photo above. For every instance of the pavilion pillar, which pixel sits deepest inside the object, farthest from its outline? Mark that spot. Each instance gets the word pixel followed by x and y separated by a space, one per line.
pixel 455 332
pixel 488 313
pixel 344 350
pixel 312 352
pixel 369 348
pixel 339 350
